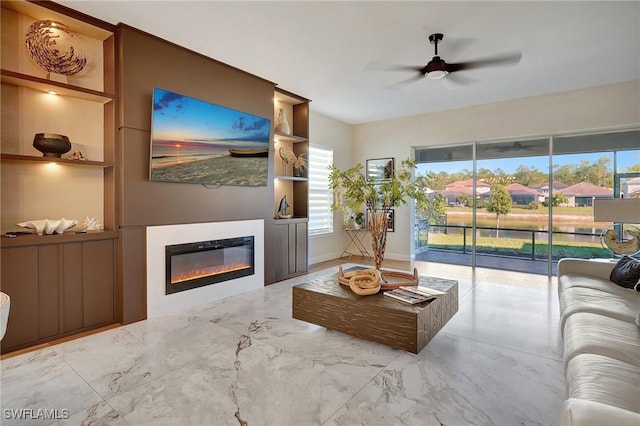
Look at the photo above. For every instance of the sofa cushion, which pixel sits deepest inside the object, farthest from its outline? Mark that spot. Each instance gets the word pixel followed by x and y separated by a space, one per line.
pixel 580 299
pixel 589 281
pixel 578 412
pixel 605 380
pixel 597 334
pixel 626 273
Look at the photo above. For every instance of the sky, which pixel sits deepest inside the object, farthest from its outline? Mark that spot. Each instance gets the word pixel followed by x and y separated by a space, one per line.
pixel 177 117
pixel 509 165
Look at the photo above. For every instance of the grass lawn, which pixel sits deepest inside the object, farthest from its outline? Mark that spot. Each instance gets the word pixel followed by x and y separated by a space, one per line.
pixel 518 247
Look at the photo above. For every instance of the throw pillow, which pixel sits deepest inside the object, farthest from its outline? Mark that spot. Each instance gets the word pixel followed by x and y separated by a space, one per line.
pixel 626 273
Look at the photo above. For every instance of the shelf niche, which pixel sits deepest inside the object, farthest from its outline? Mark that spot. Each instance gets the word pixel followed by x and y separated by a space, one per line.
pixel 289 241
pixel 82 108
pixel 296 110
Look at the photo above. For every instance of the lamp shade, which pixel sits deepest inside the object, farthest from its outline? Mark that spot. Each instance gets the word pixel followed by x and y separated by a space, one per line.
pixel 620 210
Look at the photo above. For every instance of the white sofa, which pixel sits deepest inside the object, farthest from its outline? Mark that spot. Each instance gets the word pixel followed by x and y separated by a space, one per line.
pixel 601 346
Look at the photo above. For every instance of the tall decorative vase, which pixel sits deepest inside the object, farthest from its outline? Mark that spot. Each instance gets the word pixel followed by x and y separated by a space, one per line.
pixel 282 125
pixel 378 229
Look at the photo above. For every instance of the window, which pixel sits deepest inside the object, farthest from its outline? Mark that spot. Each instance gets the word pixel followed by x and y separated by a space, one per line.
pixel 320 195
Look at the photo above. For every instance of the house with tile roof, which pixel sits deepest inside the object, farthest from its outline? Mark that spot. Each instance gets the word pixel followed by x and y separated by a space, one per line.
pixel 582 194
pixel 522 195
pixel 543 188
pixel 464 187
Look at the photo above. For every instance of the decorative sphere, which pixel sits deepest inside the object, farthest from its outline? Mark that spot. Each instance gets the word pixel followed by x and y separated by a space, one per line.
pixel 51 144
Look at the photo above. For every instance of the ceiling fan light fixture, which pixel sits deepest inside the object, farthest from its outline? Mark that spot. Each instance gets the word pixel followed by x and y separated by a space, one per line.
pixel 436 75
pixel 435 69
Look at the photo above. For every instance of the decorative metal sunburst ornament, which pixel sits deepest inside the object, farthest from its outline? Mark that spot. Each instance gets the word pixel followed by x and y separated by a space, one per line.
pixel 49 44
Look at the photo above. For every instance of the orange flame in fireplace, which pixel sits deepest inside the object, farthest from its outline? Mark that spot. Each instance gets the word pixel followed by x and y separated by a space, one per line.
pixel 207 272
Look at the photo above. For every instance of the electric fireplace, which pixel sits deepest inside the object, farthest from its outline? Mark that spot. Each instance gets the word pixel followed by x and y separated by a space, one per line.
pixel 204 263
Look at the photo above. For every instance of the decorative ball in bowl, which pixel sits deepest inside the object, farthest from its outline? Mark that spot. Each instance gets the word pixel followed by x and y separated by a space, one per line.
pixel 51 144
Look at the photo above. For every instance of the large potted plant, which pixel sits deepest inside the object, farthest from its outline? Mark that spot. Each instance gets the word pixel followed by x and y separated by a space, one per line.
pixel 352 190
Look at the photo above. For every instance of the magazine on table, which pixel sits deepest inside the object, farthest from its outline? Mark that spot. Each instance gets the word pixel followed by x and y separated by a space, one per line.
pixel 407 296
pixel 423 291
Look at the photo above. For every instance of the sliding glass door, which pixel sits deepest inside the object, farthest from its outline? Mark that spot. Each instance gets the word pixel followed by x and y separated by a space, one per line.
pixel 524 204
pixel 593 166
pixel 444 228
pixel 512 221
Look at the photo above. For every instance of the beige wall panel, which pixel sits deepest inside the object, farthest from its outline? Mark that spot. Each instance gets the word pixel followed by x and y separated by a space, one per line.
pixel 55 191
pixel 133 288
pixel 150 62
pixel 26 112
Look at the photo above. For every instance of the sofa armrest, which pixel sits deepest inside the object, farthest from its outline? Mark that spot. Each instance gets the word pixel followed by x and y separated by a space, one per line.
pixel 579 412
pixel 596 268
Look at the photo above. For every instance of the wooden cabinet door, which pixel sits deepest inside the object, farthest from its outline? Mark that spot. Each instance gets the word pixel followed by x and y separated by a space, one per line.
pixel 20 283
pixel 72 311
pixel 57 289
pixel 290 249
pixel 98 282
pixel 291 253
pixel 301 247
pixel 49 291
pixel 281 248
pixel 88 296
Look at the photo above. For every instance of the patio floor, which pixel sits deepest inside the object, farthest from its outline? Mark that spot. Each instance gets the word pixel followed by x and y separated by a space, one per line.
pixel 488 261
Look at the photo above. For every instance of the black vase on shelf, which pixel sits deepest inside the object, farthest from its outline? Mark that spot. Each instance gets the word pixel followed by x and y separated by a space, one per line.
pixel 51 144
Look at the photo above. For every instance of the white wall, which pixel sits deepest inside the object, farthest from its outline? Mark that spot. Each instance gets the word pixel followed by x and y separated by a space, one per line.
pixel 334 134
pixel 607 107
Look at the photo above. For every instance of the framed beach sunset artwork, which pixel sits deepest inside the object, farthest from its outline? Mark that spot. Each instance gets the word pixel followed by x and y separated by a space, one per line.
pixel 193 141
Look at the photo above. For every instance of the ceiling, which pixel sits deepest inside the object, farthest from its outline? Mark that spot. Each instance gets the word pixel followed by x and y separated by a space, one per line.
pixel 334 53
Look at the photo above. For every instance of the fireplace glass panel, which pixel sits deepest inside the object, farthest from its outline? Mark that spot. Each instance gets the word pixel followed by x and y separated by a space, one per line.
pixel 208 262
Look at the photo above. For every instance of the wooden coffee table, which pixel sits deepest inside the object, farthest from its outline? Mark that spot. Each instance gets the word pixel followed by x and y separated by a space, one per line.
pixel 323 301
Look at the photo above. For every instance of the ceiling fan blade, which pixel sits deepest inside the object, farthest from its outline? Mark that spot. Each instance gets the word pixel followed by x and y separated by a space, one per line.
pixel 405 68
pixel 380 66
pixel 405 82
pixel 500 60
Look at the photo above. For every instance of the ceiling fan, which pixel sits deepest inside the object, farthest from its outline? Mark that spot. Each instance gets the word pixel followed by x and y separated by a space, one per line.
pixel 438 68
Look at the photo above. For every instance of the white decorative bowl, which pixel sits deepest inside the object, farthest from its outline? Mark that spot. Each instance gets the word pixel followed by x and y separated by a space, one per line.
pixel 48 227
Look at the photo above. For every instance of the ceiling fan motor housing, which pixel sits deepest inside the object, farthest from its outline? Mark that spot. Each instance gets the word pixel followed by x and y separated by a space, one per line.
pixel 435 69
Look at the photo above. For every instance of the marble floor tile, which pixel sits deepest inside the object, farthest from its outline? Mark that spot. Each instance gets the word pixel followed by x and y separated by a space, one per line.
pixel 517 318
pixel 41 380
pixel 244 361
pixel 353 357
pixel 101 414
pixel 253 382
pixel 454 381
pixel 120 359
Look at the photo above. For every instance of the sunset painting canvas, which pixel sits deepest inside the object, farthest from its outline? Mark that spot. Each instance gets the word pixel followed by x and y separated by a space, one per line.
pixel 194 141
